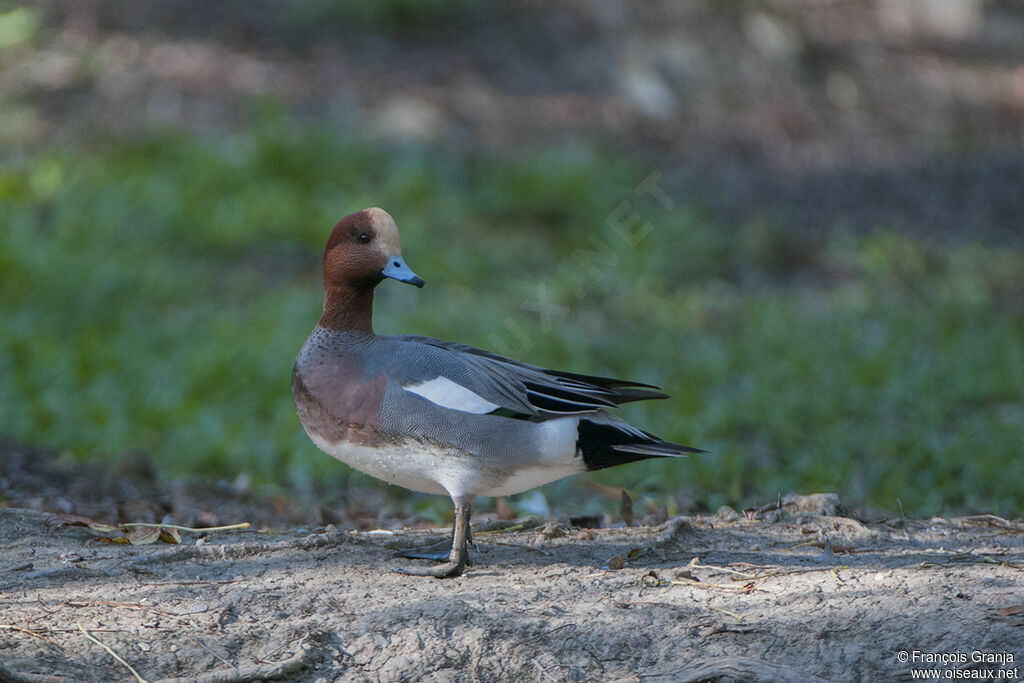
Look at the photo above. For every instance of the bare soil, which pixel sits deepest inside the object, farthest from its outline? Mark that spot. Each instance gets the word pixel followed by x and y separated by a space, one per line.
pixel 794 593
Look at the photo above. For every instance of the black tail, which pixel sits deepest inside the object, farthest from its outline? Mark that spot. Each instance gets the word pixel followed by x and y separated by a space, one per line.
pixel 615 442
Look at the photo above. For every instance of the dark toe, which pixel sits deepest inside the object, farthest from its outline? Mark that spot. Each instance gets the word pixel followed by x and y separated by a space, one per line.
pixel 448 570
pixel 425 554
pixel 440 551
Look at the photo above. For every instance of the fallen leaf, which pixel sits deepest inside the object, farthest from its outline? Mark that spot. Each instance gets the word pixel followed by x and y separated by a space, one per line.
pixel 616 563
pixel 1011 610
pixel 58 521
pixel 635 553
pixel 143 535
pixel 120 540
pixel 136 533
pixel 170 535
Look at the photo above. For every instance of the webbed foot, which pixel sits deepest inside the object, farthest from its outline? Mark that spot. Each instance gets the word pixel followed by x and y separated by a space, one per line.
pixel 457 555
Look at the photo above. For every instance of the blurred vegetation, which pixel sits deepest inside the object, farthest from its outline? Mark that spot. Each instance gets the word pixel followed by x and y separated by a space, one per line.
pixel 154 295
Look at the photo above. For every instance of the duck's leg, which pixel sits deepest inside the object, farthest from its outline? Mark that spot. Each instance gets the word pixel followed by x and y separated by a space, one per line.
pixel 459 555
pixel 440 551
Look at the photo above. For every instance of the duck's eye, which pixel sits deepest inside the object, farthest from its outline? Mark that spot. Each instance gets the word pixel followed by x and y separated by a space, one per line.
pixel 363 238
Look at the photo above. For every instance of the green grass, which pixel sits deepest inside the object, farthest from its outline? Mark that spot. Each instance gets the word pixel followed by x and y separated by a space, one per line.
pixel 154 294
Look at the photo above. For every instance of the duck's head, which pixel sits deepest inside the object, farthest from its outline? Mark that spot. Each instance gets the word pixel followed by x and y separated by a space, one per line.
pixel 363 249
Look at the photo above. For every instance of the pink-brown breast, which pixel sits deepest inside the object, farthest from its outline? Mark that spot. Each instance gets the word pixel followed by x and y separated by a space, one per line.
pixel 337 403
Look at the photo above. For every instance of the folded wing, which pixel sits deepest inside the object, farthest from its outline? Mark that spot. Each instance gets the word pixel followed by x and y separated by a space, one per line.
pixel 462 377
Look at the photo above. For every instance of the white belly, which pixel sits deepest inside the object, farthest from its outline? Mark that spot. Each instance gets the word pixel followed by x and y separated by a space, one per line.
pixel 407 465
pixel 424 467
pixel 526 478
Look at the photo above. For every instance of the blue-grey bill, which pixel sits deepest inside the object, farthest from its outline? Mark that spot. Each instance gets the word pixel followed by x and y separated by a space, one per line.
pixel 396 269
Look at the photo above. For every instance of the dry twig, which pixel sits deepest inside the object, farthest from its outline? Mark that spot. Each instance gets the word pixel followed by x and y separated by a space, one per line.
pixel 521 547
pixel 12 627
pixel 113 654
pixel 194 530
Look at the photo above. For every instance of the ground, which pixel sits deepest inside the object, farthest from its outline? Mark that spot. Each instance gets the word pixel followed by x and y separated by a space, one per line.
pixel 795 592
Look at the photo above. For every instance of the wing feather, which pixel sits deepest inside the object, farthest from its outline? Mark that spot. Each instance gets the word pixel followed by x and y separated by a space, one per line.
pixel 528 391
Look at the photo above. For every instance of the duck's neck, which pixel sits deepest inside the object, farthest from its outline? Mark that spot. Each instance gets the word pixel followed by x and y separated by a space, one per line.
pixel 348 309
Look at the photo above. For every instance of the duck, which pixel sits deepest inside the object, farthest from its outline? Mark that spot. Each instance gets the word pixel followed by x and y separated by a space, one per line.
pixel 441 417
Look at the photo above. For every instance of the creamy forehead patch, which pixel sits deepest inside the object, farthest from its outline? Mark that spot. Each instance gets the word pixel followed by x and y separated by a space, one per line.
pixel 387 229
pixel 379 216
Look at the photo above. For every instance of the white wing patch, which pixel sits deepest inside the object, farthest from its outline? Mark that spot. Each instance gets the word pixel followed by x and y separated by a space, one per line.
pixel 449 394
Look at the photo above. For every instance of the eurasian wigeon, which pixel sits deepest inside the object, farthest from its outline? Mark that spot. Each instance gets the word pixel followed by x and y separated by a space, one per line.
pixel 441 417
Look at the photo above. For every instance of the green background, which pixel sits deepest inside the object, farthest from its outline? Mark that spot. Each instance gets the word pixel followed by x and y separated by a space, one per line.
pixel 155 288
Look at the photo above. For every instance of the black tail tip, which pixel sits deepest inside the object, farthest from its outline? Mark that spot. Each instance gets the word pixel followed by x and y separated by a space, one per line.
pixel 607 444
